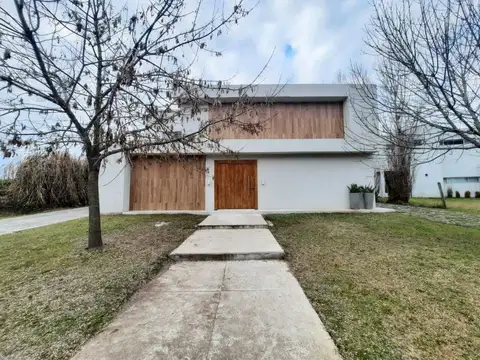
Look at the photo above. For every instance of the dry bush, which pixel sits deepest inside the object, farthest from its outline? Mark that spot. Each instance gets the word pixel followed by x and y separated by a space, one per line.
pixel 49 181
pixel 4 184
pixel 399 186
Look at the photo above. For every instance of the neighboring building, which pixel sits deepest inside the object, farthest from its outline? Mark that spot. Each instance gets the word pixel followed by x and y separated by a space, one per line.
pixel 301 161
pixel 458 170
pixel 455 169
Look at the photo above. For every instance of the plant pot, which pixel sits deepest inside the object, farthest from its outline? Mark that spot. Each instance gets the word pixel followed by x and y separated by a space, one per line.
pixel 356 201
pixel 369 200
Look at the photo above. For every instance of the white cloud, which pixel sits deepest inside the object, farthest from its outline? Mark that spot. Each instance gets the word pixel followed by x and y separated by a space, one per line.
pixel 348 5
pixel 324 35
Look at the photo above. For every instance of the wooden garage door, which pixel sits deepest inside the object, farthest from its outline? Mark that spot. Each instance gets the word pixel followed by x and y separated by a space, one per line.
pixel 235 184
pixel 168 183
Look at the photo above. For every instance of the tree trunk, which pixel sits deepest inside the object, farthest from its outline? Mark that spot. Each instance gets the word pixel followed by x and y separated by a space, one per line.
pixel 94 226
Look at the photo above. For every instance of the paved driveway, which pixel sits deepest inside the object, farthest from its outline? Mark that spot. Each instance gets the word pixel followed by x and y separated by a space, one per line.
pixel 19 223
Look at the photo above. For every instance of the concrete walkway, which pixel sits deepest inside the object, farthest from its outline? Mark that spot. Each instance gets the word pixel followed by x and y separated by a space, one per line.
pixel 19 223
pixel 218 310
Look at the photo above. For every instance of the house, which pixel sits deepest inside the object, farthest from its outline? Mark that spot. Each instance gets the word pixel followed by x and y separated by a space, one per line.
pixel 302 160
pixel 457 169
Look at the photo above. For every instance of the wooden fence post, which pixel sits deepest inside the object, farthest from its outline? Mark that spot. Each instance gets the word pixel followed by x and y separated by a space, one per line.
pixel 444 203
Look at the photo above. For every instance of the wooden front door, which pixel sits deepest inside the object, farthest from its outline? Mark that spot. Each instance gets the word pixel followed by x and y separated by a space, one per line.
pixel 235 184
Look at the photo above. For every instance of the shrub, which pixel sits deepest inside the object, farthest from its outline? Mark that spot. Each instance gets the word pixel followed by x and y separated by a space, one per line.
pixel 449 192
pixel 4 185
pixel 354 188
pixel 457 194
pixel 468 195
pixel 399 185
pixel 49 181
pixel 477 194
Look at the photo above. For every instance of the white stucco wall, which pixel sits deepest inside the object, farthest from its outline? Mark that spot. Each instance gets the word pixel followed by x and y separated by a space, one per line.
pixel 426 177
pixel 114 185
pixel 306 183
pixel 457 163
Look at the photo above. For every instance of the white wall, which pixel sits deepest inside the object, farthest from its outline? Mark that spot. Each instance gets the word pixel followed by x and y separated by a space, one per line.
pixel 456 163
pixel 306 183
pixel 114 185
pixel 292 146
pixel 425 181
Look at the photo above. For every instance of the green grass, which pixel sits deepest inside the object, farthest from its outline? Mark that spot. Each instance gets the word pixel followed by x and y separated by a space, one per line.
pixel 471 206
pixel 54 294
pixel 388 286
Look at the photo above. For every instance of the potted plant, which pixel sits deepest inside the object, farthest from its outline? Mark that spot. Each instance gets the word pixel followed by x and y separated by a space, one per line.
pixel 356 196
pixel 361 197
pixel 368 197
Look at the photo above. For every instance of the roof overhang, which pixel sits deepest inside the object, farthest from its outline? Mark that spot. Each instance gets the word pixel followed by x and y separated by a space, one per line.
pixel 290 93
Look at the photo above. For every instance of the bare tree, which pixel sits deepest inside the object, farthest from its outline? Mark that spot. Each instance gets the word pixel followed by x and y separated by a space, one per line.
pixel 434 49
pixel 105 76
pixel 427 84
pixel 394 134
pixel 341 77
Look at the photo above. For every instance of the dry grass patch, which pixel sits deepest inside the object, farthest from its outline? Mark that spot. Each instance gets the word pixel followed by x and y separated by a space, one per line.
pixel 389 286
pixel 54 294
pixel 7 214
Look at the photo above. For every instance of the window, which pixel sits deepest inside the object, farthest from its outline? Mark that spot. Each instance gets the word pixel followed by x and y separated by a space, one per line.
pixel 459 180
pixel 451 142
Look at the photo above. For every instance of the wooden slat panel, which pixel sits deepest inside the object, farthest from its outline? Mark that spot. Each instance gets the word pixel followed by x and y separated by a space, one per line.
pixel 168 183
pixel 236 184
pixel 281 121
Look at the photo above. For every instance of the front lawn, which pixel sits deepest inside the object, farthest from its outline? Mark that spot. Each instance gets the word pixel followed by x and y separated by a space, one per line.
pixel 471 206
pixel 54 294
pixel 388 286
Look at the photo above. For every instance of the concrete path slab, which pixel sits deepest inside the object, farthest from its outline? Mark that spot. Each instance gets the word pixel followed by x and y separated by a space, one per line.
pixel 217 311
pixel 19 223
pixel 233 220
pixel 229 244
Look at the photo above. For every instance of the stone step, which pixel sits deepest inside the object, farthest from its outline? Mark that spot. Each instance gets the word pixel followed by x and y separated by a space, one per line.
pixel 229 244
pixel 233 220
pixel 213 227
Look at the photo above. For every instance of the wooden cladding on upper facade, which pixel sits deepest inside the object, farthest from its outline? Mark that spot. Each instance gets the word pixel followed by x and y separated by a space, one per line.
pixel 168 183
pixel 279 121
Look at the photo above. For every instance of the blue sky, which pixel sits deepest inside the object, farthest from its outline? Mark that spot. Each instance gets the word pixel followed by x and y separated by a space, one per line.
pixel 289 51
pixel 293 41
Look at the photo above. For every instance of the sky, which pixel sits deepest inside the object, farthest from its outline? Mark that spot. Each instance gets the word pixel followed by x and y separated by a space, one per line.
pixel 307 41
pixel 287 41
